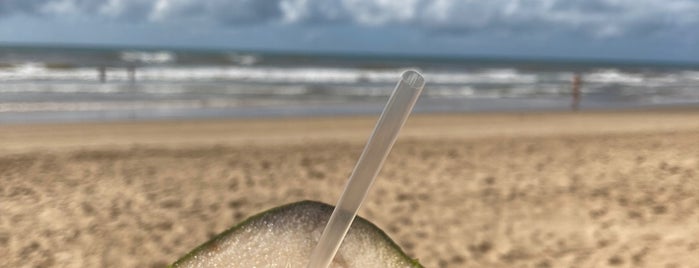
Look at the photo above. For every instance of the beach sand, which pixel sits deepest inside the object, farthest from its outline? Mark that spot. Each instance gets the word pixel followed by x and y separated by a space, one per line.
pixel 588 189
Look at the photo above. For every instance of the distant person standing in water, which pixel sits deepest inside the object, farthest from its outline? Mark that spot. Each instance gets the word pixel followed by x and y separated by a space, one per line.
pixel 576 82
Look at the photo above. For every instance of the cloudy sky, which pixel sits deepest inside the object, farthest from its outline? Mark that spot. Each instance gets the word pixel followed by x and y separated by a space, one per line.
pixel 608 29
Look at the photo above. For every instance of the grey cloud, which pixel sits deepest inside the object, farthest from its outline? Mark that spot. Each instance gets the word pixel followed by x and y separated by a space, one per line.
pixel 16 6
pixel 314 11
pixel 111 9
pixel 217 11
pixel 598 18
pixel 220 11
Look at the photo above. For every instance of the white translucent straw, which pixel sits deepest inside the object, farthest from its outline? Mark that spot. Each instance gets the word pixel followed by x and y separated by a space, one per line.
pixel 377 148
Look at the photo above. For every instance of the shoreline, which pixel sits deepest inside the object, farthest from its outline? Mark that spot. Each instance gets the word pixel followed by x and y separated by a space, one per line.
pixel 195 110
pixel 348 128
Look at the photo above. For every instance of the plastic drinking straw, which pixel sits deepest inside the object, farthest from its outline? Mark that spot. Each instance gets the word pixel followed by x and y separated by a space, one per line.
pixel 375 152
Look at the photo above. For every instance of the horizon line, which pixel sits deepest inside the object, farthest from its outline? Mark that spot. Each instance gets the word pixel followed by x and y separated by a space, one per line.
pixel 359 53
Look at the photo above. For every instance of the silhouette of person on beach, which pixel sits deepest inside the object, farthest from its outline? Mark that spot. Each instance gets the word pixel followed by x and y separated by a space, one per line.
pixel 576 83
pixel 102 74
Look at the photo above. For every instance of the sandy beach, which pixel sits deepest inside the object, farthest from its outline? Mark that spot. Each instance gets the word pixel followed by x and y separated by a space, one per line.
pixel 588 189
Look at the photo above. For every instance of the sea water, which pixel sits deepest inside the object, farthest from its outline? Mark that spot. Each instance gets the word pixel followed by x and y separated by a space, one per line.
pixel 63 84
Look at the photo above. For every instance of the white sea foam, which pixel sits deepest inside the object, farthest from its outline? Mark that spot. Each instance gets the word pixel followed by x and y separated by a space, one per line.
pixel 38 72
pixel 442 91
pixel 690 75
pixel 159 57
pixel 243 59
pixel 613 76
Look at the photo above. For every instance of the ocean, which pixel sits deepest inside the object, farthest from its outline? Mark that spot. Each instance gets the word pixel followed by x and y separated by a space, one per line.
pixel 73 84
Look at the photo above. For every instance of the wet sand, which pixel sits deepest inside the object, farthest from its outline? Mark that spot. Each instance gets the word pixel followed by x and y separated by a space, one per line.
pixel 591 189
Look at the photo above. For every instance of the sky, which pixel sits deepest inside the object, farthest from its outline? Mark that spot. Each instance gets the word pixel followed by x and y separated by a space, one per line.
pixel 643 30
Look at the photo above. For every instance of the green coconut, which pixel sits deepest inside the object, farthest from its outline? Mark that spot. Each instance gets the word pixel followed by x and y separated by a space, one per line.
pixel 285 237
